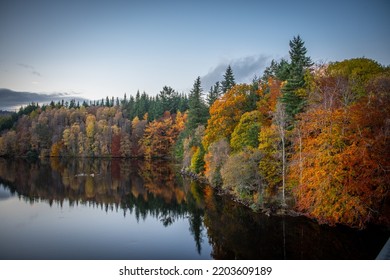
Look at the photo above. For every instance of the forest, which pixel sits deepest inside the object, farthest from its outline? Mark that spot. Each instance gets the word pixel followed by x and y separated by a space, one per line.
pixel 304 136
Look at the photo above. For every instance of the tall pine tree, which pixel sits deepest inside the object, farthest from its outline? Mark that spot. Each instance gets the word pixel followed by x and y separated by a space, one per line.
pixel 197 113
pixel 228 81
pixel 292 98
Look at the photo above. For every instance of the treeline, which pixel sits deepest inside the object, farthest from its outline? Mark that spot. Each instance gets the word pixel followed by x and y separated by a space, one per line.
pixel 140 126
pixel 134 106
pixel 312 136
pixel 90 132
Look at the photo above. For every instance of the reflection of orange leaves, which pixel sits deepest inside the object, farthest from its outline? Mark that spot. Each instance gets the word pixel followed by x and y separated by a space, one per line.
pixel 180 195
pixel 159 180
pixel 89 187
pixel 56 149
pixel 209 198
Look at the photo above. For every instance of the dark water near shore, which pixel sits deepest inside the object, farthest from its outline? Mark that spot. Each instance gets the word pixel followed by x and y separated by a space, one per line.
pixel 126 209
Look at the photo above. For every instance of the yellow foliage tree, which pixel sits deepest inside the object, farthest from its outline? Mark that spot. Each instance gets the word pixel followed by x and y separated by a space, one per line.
pixel 225 114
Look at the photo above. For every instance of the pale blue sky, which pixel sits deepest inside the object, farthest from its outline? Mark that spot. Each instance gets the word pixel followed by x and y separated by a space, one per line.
pixel 109 47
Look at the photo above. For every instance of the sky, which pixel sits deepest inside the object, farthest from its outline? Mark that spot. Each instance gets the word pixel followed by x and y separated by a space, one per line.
pixel 94 49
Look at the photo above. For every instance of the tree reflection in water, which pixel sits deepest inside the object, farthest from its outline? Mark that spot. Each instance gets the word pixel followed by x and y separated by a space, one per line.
pixel 155 189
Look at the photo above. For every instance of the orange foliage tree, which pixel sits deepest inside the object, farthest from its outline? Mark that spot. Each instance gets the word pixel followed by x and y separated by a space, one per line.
pixel 160 135
pixel 225 114
pixel 340 171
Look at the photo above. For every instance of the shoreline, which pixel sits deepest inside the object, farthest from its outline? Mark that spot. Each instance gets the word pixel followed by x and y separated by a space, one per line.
pixel 273 210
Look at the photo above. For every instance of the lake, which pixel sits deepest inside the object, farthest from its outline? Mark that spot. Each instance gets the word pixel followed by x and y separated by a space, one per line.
pixel 129 209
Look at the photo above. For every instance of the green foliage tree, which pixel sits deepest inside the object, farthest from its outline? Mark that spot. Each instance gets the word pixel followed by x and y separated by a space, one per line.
pixel 214 93
pixel 197 161
pixel 293 97
pixel 197 113
pixel 357 72
pixel 228 80
pixel 190 143
pixel 167 98
pixel 246 133
pixel 277 70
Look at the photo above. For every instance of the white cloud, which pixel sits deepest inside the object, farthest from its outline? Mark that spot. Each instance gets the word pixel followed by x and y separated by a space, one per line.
pixel 244 70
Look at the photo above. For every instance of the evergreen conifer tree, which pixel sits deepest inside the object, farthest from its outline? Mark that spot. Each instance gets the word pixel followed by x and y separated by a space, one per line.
pixel 197 113
pixel 214 93
pixel 183 104
pixel 167 98
pixel 228 81
pixel 292 99
pixel 298 53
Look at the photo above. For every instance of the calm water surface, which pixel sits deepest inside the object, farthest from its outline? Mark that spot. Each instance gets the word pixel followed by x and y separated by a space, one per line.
pixel 122 209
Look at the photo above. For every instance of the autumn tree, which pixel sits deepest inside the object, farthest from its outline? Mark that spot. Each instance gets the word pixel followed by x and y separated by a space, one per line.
pixel 341 148
pixel 138 127
pixel 190 144
pixel 270 166
pixel 197 160
pixel 23 133
pixel 216 156
pixel 225 114
pixel 269 93
pixel 90 134
pixel 160 135
pixel 156 139
pixel 246 132
pixel 273 139
pixel 125 145
pixel 8 143
pixel 357 72
pixel 280 120
pixel 241 177
pixel 116 142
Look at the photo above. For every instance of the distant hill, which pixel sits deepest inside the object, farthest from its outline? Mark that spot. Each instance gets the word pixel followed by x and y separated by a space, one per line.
pixel 5 113
pixel 12 100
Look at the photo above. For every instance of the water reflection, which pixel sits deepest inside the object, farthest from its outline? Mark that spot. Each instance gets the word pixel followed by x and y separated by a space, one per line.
pixel 107 183
pixel 208 225
pixel 136 188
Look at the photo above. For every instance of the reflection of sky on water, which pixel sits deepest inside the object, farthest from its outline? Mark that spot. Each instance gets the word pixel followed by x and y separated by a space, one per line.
pixel 4 194
pixel 38 230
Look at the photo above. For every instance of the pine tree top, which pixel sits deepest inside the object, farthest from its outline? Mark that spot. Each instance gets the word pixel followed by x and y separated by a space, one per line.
pixel 228 81
pixel 298 53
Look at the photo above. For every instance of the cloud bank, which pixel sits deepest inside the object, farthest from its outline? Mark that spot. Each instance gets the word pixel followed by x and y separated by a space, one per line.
pixel 12 100
pixel 244 70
